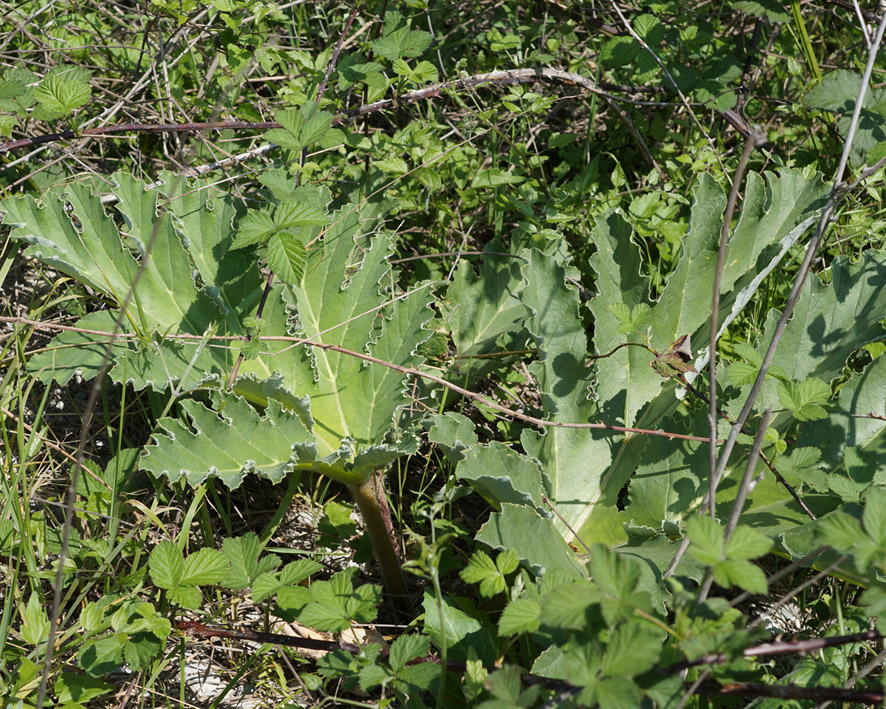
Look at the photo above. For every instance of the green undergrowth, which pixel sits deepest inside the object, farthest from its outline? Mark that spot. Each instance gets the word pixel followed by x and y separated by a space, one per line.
pixel 469 411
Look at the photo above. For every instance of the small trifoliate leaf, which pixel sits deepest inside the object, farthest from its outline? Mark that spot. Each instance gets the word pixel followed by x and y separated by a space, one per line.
pixel 632 649
pixel 747 543
pixel 706 536
pixel 302 128
pixel 406 648
pixel 741 573
pixel 205 566
pixel 60 95
pixel 507 562
pixel 35 622
pixel 499 42
pixel 254 228
pixel 290 135
pixel 294 213
pixel 520 616
pixel 287 257
pixel 630 319
pixel 166 565
pixel 805 398
pixel 251 349
pixel 481 569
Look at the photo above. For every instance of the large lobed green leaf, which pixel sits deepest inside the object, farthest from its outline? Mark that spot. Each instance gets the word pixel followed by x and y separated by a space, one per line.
pixel 191 235
pixel 584 473
pixel 193 283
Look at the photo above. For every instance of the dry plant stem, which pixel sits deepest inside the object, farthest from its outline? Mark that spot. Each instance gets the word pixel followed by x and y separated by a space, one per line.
pixel 500 78
pixel 209 631
pixel 790 488
pixel 753 140
pixel 383 547
pixel 30 429
pixel 780 647
pixel 762 650
pixel 794 691
pixel 409 371
pixel 694 687
pixel 334 59
pixel 839 191
pixel 485 401
pixel 145 79
pixel 869 415
pixel 744 488
pixel 742 495
pixel 547 501
pixel 769 464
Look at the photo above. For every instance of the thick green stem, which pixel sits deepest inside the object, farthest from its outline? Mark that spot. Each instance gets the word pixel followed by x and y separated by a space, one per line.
pixel 389 564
